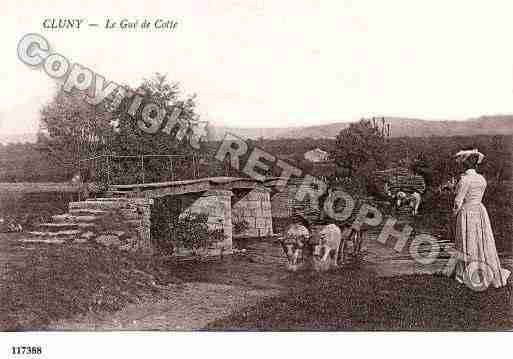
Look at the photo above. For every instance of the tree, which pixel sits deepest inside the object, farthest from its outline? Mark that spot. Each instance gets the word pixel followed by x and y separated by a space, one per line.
pixel 501 153
pixel 71 129
pixel 358 144
pixel 170 136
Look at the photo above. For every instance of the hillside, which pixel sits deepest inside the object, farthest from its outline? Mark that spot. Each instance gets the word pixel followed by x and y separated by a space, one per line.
pixel 400 127
pixel 19 123
pixel 6 138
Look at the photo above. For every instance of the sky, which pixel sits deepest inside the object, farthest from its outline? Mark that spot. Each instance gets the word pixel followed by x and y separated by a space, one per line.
pixel 260 63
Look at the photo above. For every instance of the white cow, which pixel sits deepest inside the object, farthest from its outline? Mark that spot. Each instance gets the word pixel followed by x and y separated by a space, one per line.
pixel 76 179
pixel 412 200
pixel 448 186
pixel 326 240
pixel 319 248
pixel 294 242
pixel 416 198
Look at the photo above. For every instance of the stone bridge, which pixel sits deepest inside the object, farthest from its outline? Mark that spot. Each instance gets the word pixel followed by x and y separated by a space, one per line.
pixel 225 200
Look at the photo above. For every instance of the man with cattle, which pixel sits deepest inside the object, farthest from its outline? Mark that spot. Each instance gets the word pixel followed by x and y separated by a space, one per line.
pixel 405 191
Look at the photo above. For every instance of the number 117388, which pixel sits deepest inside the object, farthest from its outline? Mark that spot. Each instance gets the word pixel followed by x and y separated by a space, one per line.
pixel 26 350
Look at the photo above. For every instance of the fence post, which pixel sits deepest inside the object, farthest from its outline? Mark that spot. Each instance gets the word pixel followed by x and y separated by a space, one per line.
pixel 194 167
pixel 80 183
pixel 108 171
pixel 172 169
pixel 142 167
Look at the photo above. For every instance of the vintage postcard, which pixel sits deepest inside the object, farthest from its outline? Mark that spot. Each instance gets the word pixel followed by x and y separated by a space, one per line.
pixel 254 166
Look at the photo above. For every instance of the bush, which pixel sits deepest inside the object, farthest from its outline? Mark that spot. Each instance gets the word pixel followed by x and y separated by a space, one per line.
pixel 240 225
pixel 189 231
pixel 360 145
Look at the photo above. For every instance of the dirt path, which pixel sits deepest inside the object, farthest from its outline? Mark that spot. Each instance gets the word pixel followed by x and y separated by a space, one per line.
pixel 190 309
pixel 211 291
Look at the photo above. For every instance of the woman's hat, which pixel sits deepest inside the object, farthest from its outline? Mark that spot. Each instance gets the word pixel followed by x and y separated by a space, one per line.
pixel 463 155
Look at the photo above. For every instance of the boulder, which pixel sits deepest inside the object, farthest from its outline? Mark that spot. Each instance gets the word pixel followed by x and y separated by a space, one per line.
pixel 109 240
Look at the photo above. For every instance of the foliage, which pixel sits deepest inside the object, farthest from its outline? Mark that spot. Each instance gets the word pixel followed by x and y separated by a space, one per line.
pixel 360 145
pixel 130 139
pixel 354 186
pixel 72 129
pixel 421 166
pixel 114 222
pixel 432 156
pixel 191 232
pixel 240 225
pixel 188 230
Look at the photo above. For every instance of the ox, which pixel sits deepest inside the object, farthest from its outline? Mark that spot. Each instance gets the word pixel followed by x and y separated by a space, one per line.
pixel 326 240
pixel 319 249
pixel 411 200
pixel 294 242
pixel 448 187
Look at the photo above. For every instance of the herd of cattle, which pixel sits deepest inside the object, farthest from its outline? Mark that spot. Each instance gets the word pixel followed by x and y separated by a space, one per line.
pixel 325 246
pixel 320 247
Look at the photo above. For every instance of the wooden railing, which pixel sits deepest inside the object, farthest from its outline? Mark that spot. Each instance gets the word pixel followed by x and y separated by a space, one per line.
pixel 148 168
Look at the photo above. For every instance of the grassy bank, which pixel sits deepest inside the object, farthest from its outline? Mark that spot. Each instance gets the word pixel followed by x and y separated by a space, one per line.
pixel 416 302
pixel 44 283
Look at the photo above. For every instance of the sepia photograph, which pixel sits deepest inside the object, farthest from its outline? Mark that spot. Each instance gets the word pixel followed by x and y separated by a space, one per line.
pixel 245 166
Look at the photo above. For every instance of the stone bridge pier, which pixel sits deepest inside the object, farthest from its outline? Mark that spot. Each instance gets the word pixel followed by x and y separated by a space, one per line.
pixel 215 204
pixel 251 208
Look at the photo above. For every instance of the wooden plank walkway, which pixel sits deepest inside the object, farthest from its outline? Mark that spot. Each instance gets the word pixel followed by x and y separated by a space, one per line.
pixel 33 187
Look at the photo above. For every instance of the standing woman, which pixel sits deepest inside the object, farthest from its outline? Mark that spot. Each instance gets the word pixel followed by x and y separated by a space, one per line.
pixel 474 236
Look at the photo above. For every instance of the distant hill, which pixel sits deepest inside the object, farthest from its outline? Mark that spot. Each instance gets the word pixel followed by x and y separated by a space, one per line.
pixel 400 127
pixel 20 122
pixel 6 138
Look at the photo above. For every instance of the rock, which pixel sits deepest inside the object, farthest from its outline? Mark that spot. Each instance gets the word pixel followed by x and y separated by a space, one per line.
pixel 58 227
pixel 117 233
pixel 108 240
pixel 43 240
pixel 126 247
pixel 81 240
pixel 63 218
pixel 88 235
pixel 97 205
pixel 86 212
pixel 57 234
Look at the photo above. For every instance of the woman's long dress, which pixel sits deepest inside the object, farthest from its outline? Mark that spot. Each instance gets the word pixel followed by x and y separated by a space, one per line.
pixel 474 237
